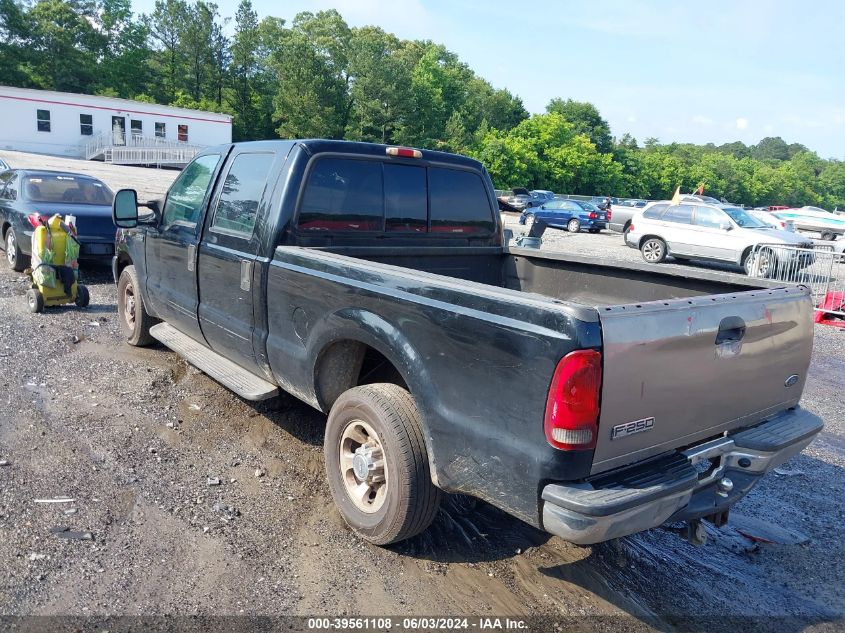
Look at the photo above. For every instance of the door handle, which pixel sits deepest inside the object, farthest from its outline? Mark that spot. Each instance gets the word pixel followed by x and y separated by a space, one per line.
pixel 192 255
pixel 246 274
pixel 731 330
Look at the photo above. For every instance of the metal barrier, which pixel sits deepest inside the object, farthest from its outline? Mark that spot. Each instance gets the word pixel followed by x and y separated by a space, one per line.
pixel 819 268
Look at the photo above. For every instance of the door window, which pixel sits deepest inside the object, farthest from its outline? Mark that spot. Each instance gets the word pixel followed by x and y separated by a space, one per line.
pixel 343 195
pixel 709 217
pixel 186 196
pixel 655 211
pixel 237 207
pixel 459 202
pixel 405 198
pixel 681 214
pixel 8 188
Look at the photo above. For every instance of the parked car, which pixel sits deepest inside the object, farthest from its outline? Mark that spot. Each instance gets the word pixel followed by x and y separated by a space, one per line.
pixel 520 198
pixel 709 232
pixel 772 219
pixel 372 282
pixel 28 196
pixel 540 197
pixel 571 215
pixel 604 202
pixel 815 220
pixel 693 197
pixel 622 214
pixel 4 165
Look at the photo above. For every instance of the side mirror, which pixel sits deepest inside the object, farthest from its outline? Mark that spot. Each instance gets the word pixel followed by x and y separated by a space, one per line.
pixel 726 226
pixel 124 210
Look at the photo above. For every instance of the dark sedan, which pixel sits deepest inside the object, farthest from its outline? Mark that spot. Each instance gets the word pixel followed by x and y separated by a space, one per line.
pixel 572 215
pixel 28 196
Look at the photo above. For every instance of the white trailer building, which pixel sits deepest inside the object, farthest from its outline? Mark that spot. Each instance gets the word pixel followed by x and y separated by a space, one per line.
pixel 104 128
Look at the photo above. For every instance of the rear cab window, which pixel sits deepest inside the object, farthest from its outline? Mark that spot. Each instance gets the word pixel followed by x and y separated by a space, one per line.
pixel 359 195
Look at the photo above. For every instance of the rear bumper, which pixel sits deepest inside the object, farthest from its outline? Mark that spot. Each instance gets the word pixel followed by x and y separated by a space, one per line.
pixel 672 488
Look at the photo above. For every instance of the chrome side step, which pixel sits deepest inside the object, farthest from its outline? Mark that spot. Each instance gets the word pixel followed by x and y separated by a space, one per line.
pixel 229 374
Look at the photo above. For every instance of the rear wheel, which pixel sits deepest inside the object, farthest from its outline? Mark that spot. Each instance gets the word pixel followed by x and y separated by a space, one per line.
pixel 828 235
pixel 14 256
pixel 574 225
pixel 625 230
pixel 377 464
pixel 82 296
pixel 134 319
pixel 594 230
pixel 35 301
pixel 653 250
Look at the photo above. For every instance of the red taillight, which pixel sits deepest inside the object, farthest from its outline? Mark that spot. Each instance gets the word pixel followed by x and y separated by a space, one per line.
pixel 630 227
pixel 37 220
pixel 783 225
pixel 593 215
pixel 572 409
pixel 404 152
pixel 609 214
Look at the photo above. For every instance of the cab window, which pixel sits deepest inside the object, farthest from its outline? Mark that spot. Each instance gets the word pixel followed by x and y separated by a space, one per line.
pixel 237 206
pixel 187 195
pixel 343 195
pixel 459 203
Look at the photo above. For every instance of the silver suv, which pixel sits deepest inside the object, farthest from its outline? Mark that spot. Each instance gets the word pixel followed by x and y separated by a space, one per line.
pixel 715 232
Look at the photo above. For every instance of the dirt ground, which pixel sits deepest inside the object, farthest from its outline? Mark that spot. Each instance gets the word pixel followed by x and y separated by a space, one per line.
pixel 132 436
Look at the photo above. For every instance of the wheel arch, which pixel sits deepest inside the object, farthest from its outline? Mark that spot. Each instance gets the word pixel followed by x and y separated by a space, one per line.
pixel 355 347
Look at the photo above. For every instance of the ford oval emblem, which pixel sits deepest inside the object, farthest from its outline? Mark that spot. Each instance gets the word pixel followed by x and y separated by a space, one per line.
pixel 791 380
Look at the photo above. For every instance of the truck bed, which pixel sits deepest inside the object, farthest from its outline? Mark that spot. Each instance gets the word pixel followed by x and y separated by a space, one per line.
pixel 573 278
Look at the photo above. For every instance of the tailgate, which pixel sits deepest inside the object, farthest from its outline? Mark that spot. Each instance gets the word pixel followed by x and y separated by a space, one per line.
pixel 680 371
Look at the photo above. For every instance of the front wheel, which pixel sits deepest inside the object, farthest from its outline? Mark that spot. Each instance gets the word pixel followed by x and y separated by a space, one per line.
pixel 828 236
pixel 653 250
pixel 760 264
pixel 377 464
pixel 134 319
pixel 14 256
pixel 35 301
pixel 574 225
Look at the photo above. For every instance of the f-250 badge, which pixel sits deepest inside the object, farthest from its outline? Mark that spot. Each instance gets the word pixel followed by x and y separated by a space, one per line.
pixel 629 428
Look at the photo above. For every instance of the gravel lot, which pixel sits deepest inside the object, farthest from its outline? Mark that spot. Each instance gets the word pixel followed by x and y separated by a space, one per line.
pixel 133 436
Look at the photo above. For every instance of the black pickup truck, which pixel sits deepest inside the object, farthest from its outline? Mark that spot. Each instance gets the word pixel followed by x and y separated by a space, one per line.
pixel 589 399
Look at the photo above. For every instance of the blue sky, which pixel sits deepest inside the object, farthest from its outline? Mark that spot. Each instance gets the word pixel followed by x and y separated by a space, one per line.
pixel 714 71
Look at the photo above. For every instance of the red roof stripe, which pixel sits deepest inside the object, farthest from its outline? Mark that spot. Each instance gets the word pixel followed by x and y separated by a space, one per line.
pixel 80 105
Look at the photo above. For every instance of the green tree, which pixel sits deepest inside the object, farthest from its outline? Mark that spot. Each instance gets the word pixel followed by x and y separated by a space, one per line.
pixel 585 119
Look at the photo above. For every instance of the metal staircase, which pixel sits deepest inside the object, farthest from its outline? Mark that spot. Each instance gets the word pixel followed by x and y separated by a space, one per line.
pixel 138 150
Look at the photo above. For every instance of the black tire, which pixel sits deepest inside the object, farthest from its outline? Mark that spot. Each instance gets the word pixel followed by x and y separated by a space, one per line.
pixel 134 319
pixel 15 258
pixel 35 300
pixel 409 501
pixel 765 268
pixel 82 296
pixel 653 250
pixel 594 231
pixel 828 236
pixel 574 225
